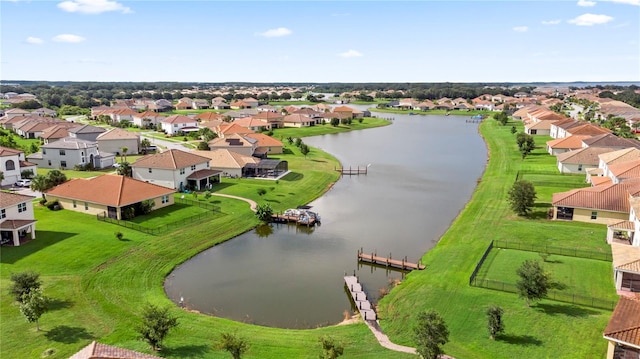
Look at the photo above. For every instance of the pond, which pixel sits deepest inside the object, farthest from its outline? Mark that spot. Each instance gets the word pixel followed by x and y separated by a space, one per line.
pixel 421 172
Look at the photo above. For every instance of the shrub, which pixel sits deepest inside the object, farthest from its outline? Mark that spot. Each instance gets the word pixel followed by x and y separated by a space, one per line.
pixel 42 201
pixel 52 205
pixel 119 235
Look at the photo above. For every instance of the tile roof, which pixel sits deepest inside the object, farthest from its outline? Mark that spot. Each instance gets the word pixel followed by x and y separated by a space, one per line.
pixel 118 134
pixel 6 151
pixel 628 154
pixel 204 173
pixel 297 118
pixel 16 223
pixel 585 156
pixel 598 180
pixel 224 158
pixel 540 125
pixel 70 143
pixel 87 129
pixel 248 122
pixel 11 199
pixel 587 129
pixel 268 115
pixel 97 350
pixel 231 128
pixel 610 140
pixel 171 159
pixel 607 197
pixel 179 119
pixel 347 108
pixel 110 190
pixel 146 114
pixel 264 140
pixel 624 325
pixel 209 116
pixel 571 142
pixel 626 257
pixel 233 140
pixel 625 169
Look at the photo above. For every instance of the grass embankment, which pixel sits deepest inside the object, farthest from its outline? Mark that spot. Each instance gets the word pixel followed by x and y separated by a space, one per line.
pixel 99 284
pixel 433 112
pixel 368 122
pixel 545 330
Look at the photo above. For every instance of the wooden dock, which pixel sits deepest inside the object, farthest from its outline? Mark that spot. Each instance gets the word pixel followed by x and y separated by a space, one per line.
pixel 352 171
pixel 281 218
pixel 360 298
pixel 403 263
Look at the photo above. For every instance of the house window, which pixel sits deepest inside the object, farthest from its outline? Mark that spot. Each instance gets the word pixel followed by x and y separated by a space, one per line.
pixel 10 165
pixel 44 151
pixel 150 170
pixel 49 161
pixel 62 153
pixel 86 206
pixel 82 159
pixel 594 215
pixel 579 167
pixel 193 167
pixel 22 207
pixel 165 199
pixel 182 171
pixel 3 213
pixel 75 204
pixel 63 164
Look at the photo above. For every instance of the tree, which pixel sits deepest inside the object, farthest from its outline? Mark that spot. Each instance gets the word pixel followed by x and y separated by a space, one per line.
pixel 494 321
pixel 145 144
pixel 203 146
pixel 335 122
pixel 522 196
pixel 124 153
pixel 261 191
pixel 234 344
pixel 33 305
pixel 40 184
pixel 156 323
pixel 513 129
pixel 125 169
pixel 429 334
pixel 533 283
pixel 24 283
pixel 528 146
pixel 330 348
pixel 264 212
pixel 304 149
pixel 55 177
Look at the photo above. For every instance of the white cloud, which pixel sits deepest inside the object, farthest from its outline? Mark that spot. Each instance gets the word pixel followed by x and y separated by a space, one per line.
pixel 590 20
pixel 520 29
pixel 93 6
pixel 630 2
pixel 68 38
pixel 551 22
pixel 350 53
pixel 586 3
pixel 34 40
pixel 281 31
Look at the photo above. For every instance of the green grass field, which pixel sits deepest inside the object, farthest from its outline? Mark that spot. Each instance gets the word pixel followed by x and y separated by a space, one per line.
pixel 368 122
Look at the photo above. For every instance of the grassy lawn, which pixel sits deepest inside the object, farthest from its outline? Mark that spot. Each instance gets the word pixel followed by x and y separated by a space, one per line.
pixel 545 330
pixel 368 122
pixel 580 276
pixel 173 214
pixel 77 174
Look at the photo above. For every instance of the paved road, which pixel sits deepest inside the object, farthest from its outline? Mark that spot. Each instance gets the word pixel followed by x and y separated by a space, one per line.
pixel 164 143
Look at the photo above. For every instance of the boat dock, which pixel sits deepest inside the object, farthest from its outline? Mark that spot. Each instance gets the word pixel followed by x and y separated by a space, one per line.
pixel 403 263
pixel 359 298
pixel 281 218
pixel 352 171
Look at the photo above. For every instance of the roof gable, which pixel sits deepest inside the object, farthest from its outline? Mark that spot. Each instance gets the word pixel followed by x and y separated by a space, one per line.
pixel 171 159
pixel 624 324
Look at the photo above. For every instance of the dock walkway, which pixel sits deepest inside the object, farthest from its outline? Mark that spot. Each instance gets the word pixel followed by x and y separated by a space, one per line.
pixel 388 261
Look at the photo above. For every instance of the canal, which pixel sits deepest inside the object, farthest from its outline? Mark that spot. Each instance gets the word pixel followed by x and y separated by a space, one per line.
pixel 421 172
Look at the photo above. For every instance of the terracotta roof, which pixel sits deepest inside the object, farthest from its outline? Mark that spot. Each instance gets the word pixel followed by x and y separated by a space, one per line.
pixel 228 129
pixel 349 109
pixel 204 173
pixel 16 223
pixel 305 111
pixel 118 134
pixel 628 154
pixel 264 140
pixel 540 125
pixel 610 140
pixel 102 351
pixel 209 116
pixel 87 129
pixel 626 257
pixel 27 164
pixel 622 225
pixel 6 151
pixel 232 140
pixel 179 119
pixel 585 156
pixel 55 132
pixel 110 190
pixel 147 114
pixel 587 129
pixel 608 197
pixel 268 115
pixel 297 118
pixel 571 142
pixel 599 180
pixel 171 159
pixel 224 158
pixel 8 199
pixel 250 122
pixel 568 123
pixel 624 325
pixel 625 169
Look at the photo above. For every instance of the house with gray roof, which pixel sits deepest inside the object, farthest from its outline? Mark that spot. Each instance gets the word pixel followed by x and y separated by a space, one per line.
pixel 86 132
pixel 68 152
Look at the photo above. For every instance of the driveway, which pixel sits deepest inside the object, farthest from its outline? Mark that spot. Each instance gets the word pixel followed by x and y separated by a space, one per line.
pixel 164 143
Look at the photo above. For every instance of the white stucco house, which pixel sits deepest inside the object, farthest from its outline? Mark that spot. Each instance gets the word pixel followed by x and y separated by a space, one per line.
pixel 176 124
pixel 17 222
pixel 176 169
pixel 12 163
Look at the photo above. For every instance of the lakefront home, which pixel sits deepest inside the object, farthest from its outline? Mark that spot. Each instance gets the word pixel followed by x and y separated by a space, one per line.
pixel 175 169
pixel 17 221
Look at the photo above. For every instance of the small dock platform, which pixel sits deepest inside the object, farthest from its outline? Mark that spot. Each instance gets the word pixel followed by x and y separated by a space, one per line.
pixel 352 171
pixel 403 263
pixel 281 218
pixel 360 298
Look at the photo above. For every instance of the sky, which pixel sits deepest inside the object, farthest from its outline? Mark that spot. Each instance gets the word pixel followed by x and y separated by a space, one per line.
pixel 320 41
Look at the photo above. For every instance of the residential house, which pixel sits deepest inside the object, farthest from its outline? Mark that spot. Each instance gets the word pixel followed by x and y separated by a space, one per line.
pixel 272 118
pixel 97 350
pixel 200 104
pixel 109 195
pixel 623 330
pixel 147 119
pixel 482 105
pixel 425 105
pixel 602 204
pixel 176 124
pixel 183 106
pixel 620 156
pixel 43 111
pixel 219 104
pixel 57 131
pixel 228 162
pixel 33 128
pixel 235 142
pixel 17 222
pixel 175 169
pixel 558 129
pixel 8 123
pixel 266 145
pixel 565 144
pixel 15 112
pixel 580 160
pixel 252 124
pixel 209 116
pixel 267 108
pixel 12 164
pixel 251 102
pixel 403 104
pixel 161 105
pixel 122 114
pixel 116 139
pixel 463 106
pixel 626 267
pixel 297 120
pixel 586 129
pixel 241 113
pixel 86 132
pixel 610 140
pixel 538 128
pixel 619 172
pixel 226 129
pixel 69 152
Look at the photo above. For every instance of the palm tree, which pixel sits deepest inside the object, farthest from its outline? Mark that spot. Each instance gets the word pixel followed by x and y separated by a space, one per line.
pixel 124 153
pixel 39 183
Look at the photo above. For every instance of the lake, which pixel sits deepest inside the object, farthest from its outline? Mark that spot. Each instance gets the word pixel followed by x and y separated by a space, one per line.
pixel 422 170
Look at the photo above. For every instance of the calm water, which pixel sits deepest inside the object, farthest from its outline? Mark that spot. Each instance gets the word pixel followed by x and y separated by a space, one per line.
pixel 422 171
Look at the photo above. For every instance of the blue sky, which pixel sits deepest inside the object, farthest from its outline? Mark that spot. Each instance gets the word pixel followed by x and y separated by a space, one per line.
pixel 326 41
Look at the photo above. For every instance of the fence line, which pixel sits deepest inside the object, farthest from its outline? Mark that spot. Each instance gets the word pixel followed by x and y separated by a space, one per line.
pixel 480 262
pixel 543 248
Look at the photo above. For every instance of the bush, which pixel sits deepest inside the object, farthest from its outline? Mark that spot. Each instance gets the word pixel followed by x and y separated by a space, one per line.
pixel 119 235
pixel 52 205
pixel 42 201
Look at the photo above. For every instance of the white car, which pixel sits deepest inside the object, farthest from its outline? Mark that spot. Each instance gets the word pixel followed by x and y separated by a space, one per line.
pixel 23 183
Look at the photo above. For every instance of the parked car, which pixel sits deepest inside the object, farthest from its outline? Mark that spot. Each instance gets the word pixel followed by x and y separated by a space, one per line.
pixel 23 183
